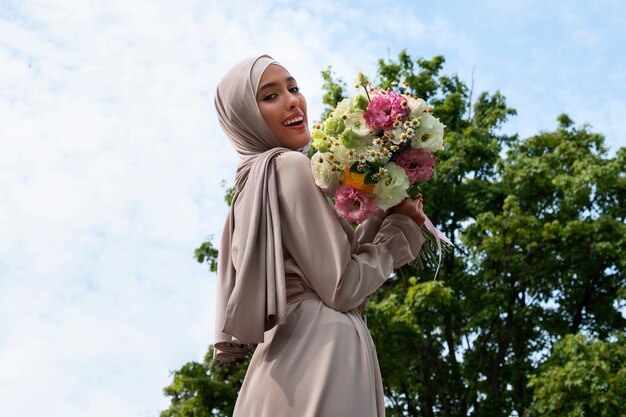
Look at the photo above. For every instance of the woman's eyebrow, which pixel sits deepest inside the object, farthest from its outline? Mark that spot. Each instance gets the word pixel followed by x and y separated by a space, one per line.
pixel 274 84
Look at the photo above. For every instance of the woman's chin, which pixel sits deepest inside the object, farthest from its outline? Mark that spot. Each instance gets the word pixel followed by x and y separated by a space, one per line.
pixel 297 140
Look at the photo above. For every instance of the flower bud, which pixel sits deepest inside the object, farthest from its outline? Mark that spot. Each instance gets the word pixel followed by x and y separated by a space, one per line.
pixel 361 80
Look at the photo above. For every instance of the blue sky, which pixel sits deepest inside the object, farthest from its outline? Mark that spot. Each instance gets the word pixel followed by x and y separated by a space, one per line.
pixel 111 158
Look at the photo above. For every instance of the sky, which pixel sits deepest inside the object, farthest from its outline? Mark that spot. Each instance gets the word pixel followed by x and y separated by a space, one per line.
pixel 112 160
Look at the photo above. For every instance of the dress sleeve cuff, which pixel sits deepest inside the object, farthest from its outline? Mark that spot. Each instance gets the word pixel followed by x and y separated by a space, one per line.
pixel 402 238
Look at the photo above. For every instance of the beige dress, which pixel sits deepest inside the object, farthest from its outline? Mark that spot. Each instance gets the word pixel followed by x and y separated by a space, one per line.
pixel 320 360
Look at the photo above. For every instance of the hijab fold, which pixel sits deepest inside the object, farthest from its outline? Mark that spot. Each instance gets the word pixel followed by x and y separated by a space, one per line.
pixel 251 296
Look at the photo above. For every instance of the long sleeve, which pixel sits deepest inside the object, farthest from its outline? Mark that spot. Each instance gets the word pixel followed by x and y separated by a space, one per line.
pixel 366 231
pixel 339 268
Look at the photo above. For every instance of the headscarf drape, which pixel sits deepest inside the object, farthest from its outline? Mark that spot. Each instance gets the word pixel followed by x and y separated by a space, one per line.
pixel 251 295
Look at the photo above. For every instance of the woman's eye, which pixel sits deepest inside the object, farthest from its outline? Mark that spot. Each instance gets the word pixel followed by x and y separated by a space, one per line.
pixel 294 89
pixel 269 97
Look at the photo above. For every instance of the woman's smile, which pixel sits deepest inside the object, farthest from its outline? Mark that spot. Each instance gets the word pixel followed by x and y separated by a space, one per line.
pixel 283 107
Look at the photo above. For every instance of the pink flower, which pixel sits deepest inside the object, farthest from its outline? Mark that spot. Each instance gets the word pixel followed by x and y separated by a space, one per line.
pixel 417 163
pixel 383 110
pixel 353 205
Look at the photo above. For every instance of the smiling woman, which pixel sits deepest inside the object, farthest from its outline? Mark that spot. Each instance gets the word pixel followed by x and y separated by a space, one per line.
pixel 283 107
pixel 293 278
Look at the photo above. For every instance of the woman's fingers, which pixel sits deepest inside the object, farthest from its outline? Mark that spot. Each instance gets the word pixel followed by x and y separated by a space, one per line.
pixel 412 207
pixel 417 202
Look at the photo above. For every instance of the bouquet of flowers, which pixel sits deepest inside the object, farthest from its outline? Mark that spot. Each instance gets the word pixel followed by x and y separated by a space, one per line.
pixel 374 149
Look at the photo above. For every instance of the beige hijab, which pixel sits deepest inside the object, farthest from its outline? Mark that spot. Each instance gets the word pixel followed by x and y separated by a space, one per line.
pixel 251 283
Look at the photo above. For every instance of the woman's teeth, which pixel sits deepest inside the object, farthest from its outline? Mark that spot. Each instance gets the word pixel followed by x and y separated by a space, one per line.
pixel 293 120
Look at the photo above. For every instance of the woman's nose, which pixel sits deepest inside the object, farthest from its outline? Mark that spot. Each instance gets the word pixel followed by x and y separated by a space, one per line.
pixel 292 102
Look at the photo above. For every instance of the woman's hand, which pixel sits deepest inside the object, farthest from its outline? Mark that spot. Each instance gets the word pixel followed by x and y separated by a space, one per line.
pixel 412 207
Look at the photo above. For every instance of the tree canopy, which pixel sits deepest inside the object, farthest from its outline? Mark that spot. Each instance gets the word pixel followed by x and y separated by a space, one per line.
pixel 536 280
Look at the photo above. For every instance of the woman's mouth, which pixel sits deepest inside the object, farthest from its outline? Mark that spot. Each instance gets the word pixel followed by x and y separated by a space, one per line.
pixel 294 122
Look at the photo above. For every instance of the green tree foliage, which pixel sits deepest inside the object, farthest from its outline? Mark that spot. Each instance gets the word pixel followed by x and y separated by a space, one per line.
pixel 583 377
pixel 468 343
pixel 229 193
pixel 539 228
pixel 435 378
pixel 207 389
pixel 207 253
pixel 549 259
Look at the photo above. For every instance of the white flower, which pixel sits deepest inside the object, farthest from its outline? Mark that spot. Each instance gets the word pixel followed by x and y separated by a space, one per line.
pixel 417 107
pixel 398 135
pixel 356 122
pixel 326 177
pixel 429 134
pixel 344 155
pixel 381 155
pixel 344 107
pixel 348 110
pixel 391 189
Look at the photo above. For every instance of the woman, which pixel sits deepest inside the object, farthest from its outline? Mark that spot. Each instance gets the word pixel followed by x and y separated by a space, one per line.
pixel 292 277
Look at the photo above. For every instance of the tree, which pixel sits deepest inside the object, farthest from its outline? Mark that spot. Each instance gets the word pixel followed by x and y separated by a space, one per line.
pixel 468 344
pixel 207 389
pixel 583 377
pixel 538 225
pixel 550 260
pixel 437 383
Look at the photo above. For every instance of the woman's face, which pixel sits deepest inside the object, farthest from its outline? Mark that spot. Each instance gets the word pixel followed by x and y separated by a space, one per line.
pixel 283 107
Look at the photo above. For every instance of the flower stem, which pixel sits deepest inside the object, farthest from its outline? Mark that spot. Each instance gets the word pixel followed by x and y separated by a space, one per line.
pixel 366 93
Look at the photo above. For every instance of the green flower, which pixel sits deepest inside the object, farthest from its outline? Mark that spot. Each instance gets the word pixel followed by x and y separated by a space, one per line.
pixel 361 80
pixel 360 102
pixel 333 126
pixel 320 141
pixel 349 139
pixel 347 106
